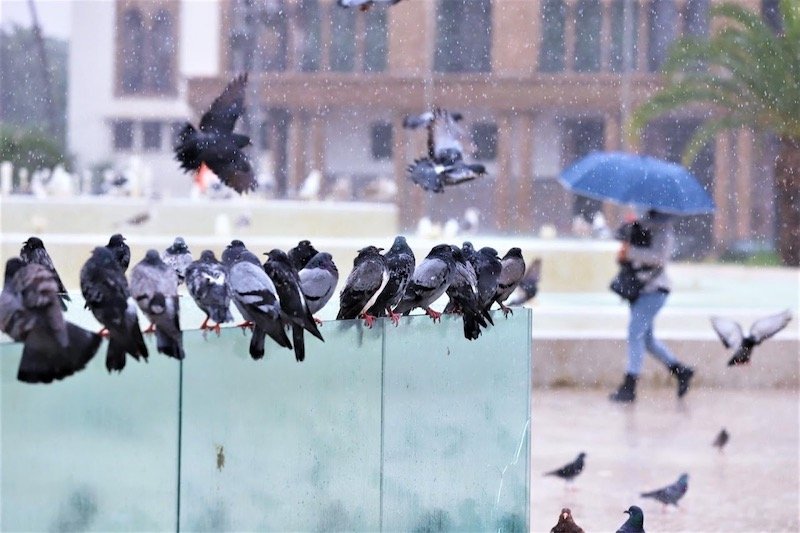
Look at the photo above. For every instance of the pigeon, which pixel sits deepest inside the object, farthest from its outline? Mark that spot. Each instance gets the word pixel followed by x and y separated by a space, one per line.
pixel 318 281
pixel 365 283
pixel 529 285
pixel 671 493
pixel 253 293
pixel 33 251
pixel 413 122
pixel 107 296
pixel 301 254
pixel 487 268
pixel 236 250
pixel 30 312
pixel 435 176
pixel 571 470
pixel 565 523
pixel 511 274
pixel 463 293
pixel 294 310
pixel 721 440
pixel 206 280
pixel 120 250
pixel 732 336
pixel 429 281
pixel 154 287
pixel 178 257
pixel 400 261
pixel 635 521
pixel 215 145
pixel 444 144
pixel 365 5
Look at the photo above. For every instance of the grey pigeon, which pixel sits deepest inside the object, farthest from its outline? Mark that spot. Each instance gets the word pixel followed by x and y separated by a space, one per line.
pixel 511 274
pixel 463 293
pixel 571 470
pixel 206 280
pixel 30 313
pixel 301 254
pixel 721 440
pixel 413 122
pixel 235 251
pixel 318 281
pixel 635 521
pixel 120 251
pixel 731 335
pixel 444 138
pixel 178 257
pixel 107 296
pixel 365 283
pixel 154 287
pixel 670 494
pixel 434 176
pixel 566 524
pixel 364 5
pixel 33 251
pixel 529 285
pixel 214 144
pixel 429 281
pixel 400 261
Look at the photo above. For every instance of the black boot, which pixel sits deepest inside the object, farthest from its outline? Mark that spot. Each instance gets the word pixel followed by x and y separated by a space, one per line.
pixel 684 375
pixel 627 391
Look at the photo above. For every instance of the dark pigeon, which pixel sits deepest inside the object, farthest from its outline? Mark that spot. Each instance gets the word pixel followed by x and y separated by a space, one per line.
pixel 120 251
pixel 721 440
pixel 365 5
pixel 33 251
pixel 235 251
pixel 565 523
pixel 30 312
pixel 154 287
pixel 571 470
pixel 301 254
pixel 400 261
pixel 435 176
pixel 487 267
pixel 294 310
pixel 670 494
pixel 429 281
pixel 178 257
pixel 529 285
pixel 365 283
pixel 635 521
pixel 206 280
pixel 318 281
pixel 107 295
pixel 463 293
pixel 215 145
pixel 511 274
pixel 731 335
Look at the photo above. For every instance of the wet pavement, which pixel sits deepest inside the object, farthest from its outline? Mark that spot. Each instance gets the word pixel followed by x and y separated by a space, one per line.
pixel 750 487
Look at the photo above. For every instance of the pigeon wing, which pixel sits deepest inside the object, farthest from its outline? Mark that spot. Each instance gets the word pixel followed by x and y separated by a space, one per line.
pixel 766 327
pixel 423 173
pixel 226 109
pixel 729 332
pixel 235 172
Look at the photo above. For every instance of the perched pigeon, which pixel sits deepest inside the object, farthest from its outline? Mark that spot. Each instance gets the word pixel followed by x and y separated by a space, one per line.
pixel 732 336
pixel 33 251
pixel 106 292
pixel 154 287
pixel 529 285
pixel 301 254
pixel 429 281
pixel 511 274
pixel 671 493
pixel 215 145
pixel 235 251
pixel 254 295
pixel 318 281
pixel 635 521
pixel 30 312
pixel 571 470
pixel 178 257
pixel 463 293
pixel 722 439
pixel 413 122
pixel 294 310
pixel 120 251
pixel 206 282
pixel 368 278
pixel 400 261
pixel 566 524
pixel 487 268
pixel 435 176
pixel 364 5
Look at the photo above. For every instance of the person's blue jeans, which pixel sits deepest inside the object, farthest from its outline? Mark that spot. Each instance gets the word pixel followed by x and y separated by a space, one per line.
pixel 640 332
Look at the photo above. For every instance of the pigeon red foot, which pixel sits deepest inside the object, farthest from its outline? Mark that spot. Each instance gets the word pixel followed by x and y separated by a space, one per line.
pixel 435 316
pixel 394 317
pixel 369 320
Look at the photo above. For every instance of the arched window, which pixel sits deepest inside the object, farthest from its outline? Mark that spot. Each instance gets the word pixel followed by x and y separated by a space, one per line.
pixel 274 37
pixel 161 64
pixel 588 24
pixel 662 24
pixel 771 13
pixel 696 18
pixel 551 51
pixel 131 53
pixel 376 40
pixel 624 30
pixel 308 24
pixel 343 39
pixel 463 36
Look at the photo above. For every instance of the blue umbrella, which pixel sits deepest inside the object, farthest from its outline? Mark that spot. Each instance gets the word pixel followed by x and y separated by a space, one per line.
pixel 641 181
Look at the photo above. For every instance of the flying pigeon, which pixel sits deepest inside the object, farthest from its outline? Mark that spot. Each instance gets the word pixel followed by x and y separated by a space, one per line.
pixel 671 493
pixel 435 176
pixel 635 521
pixel 463 293
pixel 429 281
pixel 154 287
pixel 178 257
pixel 215 145
pixel 722 439
pixel 413 122
pixel 206 282
pixel 511 274
pixel 30 312
pixel 732 336
pixel 565 523
pixel 318 281
pixel 400 261
pixel 107 295
pixel 235 251
pixel 529 285
pixel 33 251
pixel 294 310
pixel 369 276
pixel 120 251
pixel 301 254
pixel 571 470
pixel 365 5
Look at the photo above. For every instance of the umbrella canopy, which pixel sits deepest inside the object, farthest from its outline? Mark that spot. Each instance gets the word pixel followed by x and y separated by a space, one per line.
pixel 638 180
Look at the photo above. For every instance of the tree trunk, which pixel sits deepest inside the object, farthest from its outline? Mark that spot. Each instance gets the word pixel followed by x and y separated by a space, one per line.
pixel 787 185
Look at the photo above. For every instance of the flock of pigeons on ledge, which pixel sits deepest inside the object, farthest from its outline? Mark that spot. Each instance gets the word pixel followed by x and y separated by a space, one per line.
pixel 277 298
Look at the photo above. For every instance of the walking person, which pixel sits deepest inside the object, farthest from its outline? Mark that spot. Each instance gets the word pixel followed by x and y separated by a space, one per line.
pixel 648 244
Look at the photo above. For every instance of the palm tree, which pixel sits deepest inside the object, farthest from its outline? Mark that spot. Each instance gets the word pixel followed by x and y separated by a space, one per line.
pixel 749 76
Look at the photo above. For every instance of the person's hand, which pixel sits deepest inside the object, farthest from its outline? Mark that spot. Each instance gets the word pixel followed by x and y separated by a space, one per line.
pixel 622 255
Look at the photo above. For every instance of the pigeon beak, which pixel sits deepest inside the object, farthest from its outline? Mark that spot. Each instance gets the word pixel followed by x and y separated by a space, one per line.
pixel 626 511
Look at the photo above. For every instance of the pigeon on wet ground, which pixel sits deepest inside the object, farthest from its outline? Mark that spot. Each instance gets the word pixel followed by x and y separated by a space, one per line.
pixel 178 257
pixel 513 269
pixel 721 439
pixel 566 524
pixel 400 261
pixel 529 285
pixel 120 251
pixel 571 470
pixel 732 336
pixel 206 280
pixel 368 278
pixel 670 494
pixel 33 251
pixel 463 293
pixel 635 521
pixel 301 254
pixel 429 282
pixel 318 281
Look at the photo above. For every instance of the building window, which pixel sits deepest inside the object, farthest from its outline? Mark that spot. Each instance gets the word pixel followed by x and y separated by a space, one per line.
pixel 175 129
pixel 771 13
pixel 484 136
pixel 696 18
pixel 376 40
pixel 274 38
pixel 662 24
pixel 343 39
pixel 161 70
pixel 588 27
pixel 619 20
pixel 151 135
pixel 263 136
pixel 551 54
pixel 308 24
pixel 131 54
pixel 381 134
pixel 463 36
pixel 123 135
